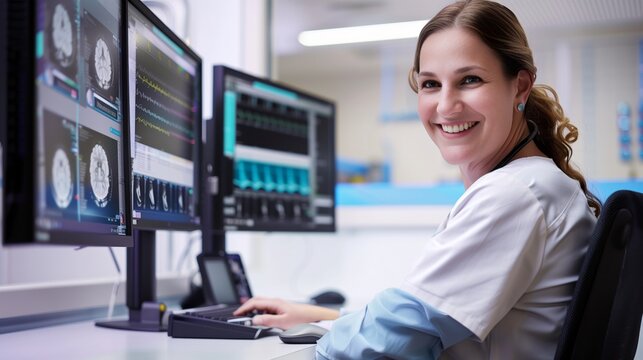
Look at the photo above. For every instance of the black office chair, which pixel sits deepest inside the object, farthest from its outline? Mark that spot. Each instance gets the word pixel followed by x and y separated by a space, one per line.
pixel 604 317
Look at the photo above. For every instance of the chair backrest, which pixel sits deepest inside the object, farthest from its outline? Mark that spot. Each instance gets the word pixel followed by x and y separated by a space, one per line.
pixel 604 317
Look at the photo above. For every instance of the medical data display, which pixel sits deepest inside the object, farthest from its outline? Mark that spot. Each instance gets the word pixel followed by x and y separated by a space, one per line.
pixel 277 147
pixel 165 112
pixel 79 144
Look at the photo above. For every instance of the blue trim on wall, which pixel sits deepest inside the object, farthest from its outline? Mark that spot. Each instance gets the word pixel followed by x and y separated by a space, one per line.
pixel 351 166
pixel 386 194
pixel 603 189
pixel 443 194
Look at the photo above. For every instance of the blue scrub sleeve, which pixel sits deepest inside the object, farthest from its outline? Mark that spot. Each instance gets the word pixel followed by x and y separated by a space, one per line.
pixel 394 324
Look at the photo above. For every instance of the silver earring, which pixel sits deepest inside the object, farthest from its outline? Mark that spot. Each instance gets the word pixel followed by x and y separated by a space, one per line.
pixel 521 107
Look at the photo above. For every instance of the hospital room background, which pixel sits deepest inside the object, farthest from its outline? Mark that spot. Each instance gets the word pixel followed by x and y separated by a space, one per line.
pixel 393 186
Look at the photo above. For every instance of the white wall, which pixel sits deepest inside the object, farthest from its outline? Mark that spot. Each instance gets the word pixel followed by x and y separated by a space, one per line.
pixel 592 76
pixel 230 33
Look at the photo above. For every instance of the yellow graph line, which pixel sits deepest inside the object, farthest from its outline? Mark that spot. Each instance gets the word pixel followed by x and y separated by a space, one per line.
pixel 152 126
pixel 159 89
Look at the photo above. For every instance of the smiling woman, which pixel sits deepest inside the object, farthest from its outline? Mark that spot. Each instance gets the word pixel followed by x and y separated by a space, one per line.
pixel 495 279
pixel 468 105
pixel 479 44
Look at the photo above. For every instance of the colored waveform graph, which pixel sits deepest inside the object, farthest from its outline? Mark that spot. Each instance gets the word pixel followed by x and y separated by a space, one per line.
pixel 272 122
pixel 251 175
pixel 143 97
pixel 269 181
pixel 152 126
pixel 165 122
pixel 161 90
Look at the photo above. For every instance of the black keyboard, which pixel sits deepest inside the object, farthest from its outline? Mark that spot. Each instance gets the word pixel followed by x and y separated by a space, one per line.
pixel 213 322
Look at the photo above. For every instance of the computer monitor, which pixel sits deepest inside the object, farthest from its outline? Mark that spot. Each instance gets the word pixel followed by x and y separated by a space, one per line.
pixel 164 104
pixel 65 152
pixel 164 81
pixel 270 150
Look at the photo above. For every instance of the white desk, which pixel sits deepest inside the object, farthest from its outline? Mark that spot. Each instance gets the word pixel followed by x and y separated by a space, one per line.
pixel 83 340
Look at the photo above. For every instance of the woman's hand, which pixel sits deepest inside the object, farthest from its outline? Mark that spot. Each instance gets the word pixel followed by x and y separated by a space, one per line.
pixel 283 314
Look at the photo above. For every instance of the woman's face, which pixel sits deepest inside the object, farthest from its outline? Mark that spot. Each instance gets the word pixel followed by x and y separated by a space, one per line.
pixel 466 103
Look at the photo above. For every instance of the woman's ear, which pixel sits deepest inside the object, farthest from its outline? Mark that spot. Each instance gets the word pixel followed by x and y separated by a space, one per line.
pixel 524 84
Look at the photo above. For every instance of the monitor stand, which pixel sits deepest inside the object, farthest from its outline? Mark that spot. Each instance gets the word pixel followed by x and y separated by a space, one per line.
pixel 145 314
pixel 213 241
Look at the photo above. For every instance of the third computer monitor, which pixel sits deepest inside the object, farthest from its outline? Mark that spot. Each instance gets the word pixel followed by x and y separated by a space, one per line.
pixel 274 155
pixel 164 78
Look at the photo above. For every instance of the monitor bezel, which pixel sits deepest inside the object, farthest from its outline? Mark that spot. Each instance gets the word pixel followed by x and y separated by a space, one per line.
pixel 3 108
pixel 214 153
pixel 20 199
pixel 149 224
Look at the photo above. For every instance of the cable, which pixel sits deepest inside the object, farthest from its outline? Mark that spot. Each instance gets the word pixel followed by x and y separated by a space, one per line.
pixel 195 235
pixel 115 287
pixel 519 146
pixel 118 267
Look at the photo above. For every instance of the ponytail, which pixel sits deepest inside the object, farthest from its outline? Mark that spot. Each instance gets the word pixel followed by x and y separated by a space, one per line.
pixel 556 134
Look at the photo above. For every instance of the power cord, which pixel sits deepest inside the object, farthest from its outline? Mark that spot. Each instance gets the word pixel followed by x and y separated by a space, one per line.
pixel 115 287
pixel 194 236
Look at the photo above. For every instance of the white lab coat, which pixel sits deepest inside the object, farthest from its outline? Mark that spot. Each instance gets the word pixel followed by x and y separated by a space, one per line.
pixel 505 261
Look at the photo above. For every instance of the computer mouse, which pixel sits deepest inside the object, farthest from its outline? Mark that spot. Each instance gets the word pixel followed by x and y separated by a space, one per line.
pixel 302 334
pixel 329 297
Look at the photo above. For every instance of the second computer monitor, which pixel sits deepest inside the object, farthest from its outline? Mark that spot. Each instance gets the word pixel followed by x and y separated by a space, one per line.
pixel 273 153
pixel 165 110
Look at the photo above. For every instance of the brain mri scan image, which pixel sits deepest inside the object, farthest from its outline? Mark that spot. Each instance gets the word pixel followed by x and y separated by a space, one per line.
pixel 99 175
pixel 60 43
pixel 180 200
pixel 62 36
pixel 138 192
pixel 59 163
pixel 101 60
pixel 151 196
pixel 98 167
pixel 63 188
pixel 103 64
pixel 164 198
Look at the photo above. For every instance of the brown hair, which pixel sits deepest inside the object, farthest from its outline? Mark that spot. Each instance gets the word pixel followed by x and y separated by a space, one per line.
pixel 499 29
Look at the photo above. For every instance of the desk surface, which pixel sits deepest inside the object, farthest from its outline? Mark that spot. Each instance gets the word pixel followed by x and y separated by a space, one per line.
pixel 83 340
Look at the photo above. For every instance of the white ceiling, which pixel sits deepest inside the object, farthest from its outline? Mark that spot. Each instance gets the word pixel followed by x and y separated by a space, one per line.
pixel 542 20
